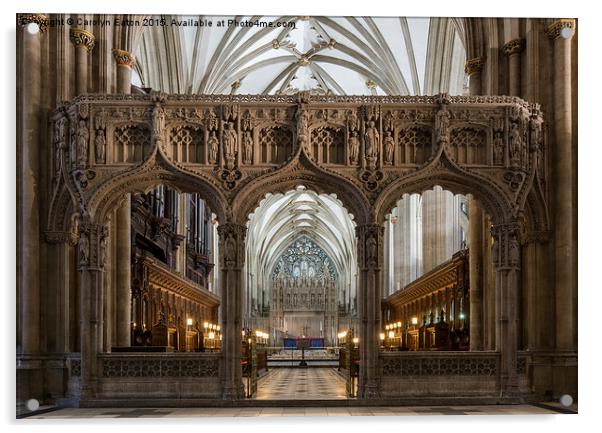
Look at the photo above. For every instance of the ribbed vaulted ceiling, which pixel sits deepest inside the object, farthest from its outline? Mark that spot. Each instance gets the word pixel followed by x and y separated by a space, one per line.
pixel 339 55
pixel 283 218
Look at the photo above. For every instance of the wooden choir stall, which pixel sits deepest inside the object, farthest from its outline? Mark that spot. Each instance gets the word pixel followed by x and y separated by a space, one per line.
pixel 430 313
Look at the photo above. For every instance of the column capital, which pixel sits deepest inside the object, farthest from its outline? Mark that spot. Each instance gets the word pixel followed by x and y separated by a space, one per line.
pixel 474 65
pixel 515 46
pixel 506 250
pixel 123 58
pixel 92 245
pixel 232 244
pixel 370 245
pixel 82 38
pixel 553 30
pixel 40 19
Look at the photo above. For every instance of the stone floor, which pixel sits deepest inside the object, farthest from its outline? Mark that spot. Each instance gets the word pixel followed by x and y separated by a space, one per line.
pixel 301 384
pixel 291 412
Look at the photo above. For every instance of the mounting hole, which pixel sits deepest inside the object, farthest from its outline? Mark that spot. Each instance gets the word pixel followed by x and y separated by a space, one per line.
pixel 32 28
pixel 566 33
pixel 32 404
pixel 566 400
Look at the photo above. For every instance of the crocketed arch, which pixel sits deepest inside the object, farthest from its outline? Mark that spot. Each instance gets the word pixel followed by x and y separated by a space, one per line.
pixel 486 193
pixel 114 191
pixel 282 219
pixel 308 175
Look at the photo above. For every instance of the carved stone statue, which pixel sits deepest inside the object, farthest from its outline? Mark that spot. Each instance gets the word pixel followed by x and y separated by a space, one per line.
pixel 372 140
pixel 102 251
pixel 59 137
pixel 498 149
pixel 248 147
pixel 389 148
pixel 213 147
pixel 82 142
pixel 84 249
pixel 352 121
pixel 371 250
pixel 515 145
pixel 372 144
pixel 303 129
pixel 158 120
pixel 442 124
pixel 100 146
pixel 354 148
pixel 230 141
pixel 230 251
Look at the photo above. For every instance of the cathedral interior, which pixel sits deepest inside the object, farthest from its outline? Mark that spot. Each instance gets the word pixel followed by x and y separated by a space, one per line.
pixel 370 210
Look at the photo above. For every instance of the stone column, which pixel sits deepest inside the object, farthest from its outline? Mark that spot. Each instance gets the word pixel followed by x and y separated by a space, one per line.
pixel 475 279
pixel 91 257
pixel 473 68
pixel 84 43
pixel 123 271
pixel 125 61
pixel 370 258
pixel 513 50
pixel 123 227
pixel 28 266
pixel 561 32
pixel 232 257
pixel 506 261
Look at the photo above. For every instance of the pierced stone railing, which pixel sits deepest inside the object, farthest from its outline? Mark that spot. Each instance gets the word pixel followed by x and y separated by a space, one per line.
pixel 151 376
pixel 173 365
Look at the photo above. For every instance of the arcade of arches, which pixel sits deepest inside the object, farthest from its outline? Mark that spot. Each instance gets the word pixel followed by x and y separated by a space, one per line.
pixel 193 217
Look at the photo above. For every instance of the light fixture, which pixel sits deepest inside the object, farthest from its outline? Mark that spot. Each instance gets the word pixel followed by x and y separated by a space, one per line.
pixel 414 320
pixel 189 322
pixel 356 340
pixel 211 335
pixel 382 336
pixel 205 325
pixel 249 341
pixel 218 328
pixel 386 327
pixel 399 324
pixel 391 334
pixel 462 316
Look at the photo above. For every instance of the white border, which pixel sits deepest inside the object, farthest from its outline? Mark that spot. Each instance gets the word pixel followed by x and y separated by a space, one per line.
pixel 589 216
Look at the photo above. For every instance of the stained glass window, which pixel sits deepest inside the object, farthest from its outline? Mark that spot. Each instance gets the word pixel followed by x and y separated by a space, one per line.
pixel 304 258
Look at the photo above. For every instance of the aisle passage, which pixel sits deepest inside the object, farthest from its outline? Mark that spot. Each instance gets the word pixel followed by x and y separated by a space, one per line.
pixel 301 384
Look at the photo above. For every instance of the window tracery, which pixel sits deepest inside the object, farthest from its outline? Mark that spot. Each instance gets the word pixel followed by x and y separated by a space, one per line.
pixel 304 258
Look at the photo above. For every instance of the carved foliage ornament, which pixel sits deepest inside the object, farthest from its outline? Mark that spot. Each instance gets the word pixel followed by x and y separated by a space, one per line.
pixel 474 66
pixel 40 19
pixel 515 46
pixel 554 29
pixel 82 38
pixel 123 58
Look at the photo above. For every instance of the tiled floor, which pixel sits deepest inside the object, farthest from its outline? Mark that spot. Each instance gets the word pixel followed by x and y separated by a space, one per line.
pixel 301 384
pixel 292 411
